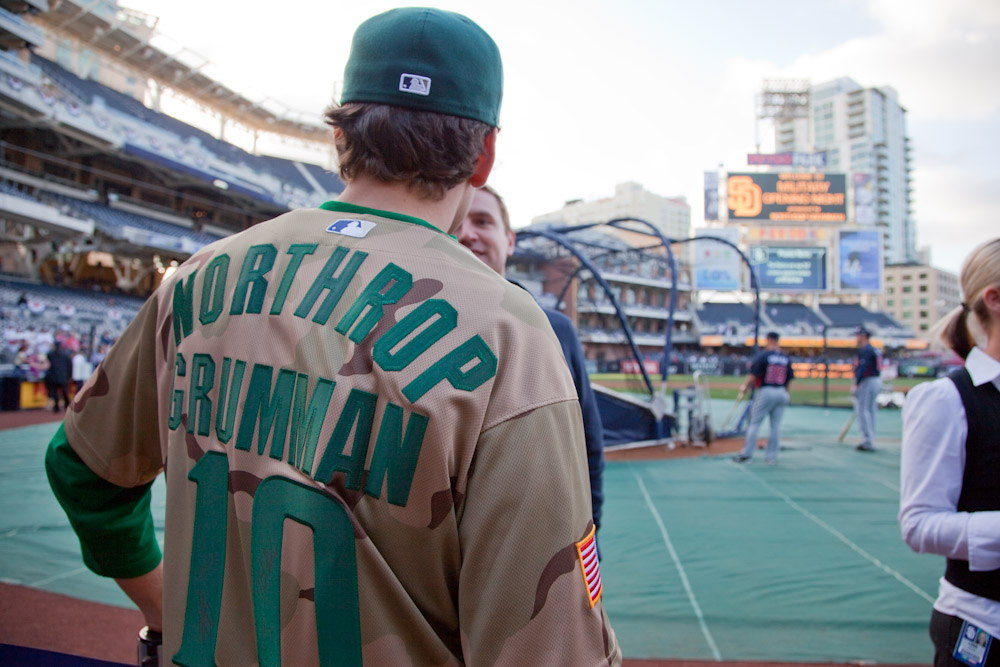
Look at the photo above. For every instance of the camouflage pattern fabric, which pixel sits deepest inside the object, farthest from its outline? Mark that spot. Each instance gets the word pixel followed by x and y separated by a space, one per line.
pixel 373 451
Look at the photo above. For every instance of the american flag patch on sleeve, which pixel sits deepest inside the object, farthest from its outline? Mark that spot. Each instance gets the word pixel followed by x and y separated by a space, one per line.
pixel 586 549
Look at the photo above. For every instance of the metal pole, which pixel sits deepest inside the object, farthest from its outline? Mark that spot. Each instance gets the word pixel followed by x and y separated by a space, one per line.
pixel 826 371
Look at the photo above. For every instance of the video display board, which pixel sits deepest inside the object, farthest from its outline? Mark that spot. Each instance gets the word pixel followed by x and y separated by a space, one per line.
pixel 787 196
pixel 787 269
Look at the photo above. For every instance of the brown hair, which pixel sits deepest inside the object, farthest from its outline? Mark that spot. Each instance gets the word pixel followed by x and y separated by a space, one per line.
pixel 432 152
pixel 980 271
pixel 504 215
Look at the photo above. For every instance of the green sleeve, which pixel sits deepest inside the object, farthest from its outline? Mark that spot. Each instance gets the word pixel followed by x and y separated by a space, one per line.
pixel 114 524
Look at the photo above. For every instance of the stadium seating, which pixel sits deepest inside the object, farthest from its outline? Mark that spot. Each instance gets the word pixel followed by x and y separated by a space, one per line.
pixel 32 306
pixel 329 180
pixel 277 180
pixel 725 313
pixel 794 318
pixel 8 188
pixel 849 316
pixel 113 222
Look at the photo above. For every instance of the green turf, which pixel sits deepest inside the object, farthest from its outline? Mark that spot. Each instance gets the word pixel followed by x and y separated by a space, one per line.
pixel 802 561
pixel 803 391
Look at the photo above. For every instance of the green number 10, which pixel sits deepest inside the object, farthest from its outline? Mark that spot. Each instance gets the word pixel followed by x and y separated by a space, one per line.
pixel 276 499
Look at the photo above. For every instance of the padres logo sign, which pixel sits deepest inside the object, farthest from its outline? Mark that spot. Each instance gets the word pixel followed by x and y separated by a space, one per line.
pixel 745 197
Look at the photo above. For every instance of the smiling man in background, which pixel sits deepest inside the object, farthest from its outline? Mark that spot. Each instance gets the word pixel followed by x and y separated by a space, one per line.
pixel 487 232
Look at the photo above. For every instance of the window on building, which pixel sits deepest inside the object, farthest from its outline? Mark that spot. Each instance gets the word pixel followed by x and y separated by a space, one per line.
pixel 890 302
pixel 907 314
pixel 923 276
pixel 923 314
pixel 923 301
pixel 890 290
pixel 907 302
pixel 924 327
pixel 907 289
pixel 923 288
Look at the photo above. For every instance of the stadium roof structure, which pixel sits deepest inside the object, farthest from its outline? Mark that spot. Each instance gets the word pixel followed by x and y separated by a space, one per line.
pixel 126 36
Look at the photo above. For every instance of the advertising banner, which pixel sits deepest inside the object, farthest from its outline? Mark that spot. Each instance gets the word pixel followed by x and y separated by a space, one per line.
pixel 787 159
pixel 789 269
pixel 766 235
pixel 711 195
pixel 859 254
pixel 787 197
pixel 865 212
pixel 717 265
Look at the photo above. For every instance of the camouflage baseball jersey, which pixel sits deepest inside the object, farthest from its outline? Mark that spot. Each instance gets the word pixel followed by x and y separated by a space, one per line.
pixel 373 451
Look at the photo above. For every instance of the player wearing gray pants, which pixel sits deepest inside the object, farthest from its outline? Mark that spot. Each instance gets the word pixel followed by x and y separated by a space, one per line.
pixel 770 372
pixel 769 401
pixel 868 390
pixel 867 384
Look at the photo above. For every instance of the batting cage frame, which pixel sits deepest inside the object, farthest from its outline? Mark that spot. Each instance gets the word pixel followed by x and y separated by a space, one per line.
pixel 629 421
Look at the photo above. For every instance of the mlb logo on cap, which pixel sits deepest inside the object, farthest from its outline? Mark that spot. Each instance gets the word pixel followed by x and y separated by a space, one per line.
pixel 414 83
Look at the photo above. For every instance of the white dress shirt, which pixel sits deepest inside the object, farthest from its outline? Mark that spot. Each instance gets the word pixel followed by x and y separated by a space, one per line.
pixel 931 471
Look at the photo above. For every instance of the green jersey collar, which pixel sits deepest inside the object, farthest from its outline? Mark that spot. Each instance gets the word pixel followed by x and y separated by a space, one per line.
pixel 344 207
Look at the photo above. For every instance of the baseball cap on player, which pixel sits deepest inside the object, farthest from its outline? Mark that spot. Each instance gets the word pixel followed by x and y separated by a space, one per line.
pixel 861 331
pixel 772 335
pixel 428 60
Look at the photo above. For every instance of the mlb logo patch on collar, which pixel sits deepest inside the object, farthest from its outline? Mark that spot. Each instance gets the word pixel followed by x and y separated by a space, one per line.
pixel 347 227
pixel 586 550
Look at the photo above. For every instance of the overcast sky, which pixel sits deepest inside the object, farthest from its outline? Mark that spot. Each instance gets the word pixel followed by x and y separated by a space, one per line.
pixel 654 91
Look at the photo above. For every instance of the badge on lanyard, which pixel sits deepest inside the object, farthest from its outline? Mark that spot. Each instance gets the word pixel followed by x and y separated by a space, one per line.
pixel 973 645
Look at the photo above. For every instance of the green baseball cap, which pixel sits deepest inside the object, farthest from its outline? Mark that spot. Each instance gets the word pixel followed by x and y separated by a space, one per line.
pixel 426 59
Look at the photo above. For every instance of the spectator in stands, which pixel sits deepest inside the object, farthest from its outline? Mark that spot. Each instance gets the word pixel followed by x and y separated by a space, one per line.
pixel 950 467
pixel 38 365
pixel 81 369
pixel 487 232
pixel 23 351
pixel 770 374
pixel 57 376
pixel 98 355
pixel 460 531
pixel 867 384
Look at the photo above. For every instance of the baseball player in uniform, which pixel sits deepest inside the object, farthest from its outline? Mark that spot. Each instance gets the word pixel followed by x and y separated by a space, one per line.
pixel 373 446
pixel 867 385
pixel 770 373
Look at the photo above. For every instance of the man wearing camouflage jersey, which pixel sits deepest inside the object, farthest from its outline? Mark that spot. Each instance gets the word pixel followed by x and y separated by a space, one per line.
pixel 372 444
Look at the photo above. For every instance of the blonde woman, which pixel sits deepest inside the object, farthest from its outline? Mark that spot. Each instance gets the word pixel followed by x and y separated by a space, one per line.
pixel 950 472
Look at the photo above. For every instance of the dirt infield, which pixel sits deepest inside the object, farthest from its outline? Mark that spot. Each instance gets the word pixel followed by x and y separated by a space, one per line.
pixel 657 452
pixel 39 619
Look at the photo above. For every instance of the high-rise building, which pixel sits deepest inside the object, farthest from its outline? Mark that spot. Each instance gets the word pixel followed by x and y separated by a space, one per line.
pixel 863 133
pixel 670 215
pixel 917 295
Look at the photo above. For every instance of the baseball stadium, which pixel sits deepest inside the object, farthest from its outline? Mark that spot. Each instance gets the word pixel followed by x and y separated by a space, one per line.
pixel 103 195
